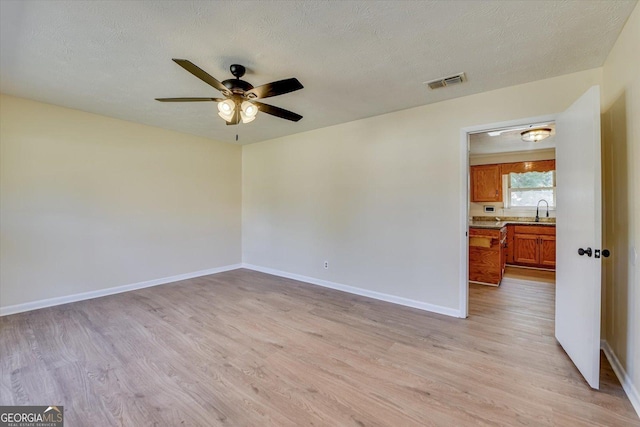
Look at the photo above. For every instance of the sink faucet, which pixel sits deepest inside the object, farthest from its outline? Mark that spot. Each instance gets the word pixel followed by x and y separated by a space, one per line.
pixel 538 207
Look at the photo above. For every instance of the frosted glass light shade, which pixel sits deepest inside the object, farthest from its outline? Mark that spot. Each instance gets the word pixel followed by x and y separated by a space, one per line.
pixel 245 118
pixel 535 135
pixel 248 112
pixel 226 109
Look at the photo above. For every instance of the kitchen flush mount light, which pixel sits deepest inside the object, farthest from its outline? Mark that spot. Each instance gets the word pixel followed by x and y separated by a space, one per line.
pixel 535 135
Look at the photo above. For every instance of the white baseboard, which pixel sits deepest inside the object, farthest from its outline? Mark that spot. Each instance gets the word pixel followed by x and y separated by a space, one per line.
pixel 358 291
pixel 34 305
pixel 625 380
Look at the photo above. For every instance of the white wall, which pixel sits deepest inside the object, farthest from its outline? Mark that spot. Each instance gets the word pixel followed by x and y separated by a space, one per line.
pixel 379 198
pixel 621 176
pixel 89 202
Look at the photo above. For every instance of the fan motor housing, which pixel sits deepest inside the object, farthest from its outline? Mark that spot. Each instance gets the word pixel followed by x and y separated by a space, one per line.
pixel 237 85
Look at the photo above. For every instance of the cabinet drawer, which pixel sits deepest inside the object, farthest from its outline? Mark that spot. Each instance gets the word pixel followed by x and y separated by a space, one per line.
pixel 535 229
pixel 486 238
pixel 487 232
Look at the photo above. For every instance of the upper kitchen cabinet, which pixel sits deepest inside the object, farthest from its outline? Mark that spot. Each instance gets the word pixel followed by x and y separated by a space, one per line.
pixel 486 184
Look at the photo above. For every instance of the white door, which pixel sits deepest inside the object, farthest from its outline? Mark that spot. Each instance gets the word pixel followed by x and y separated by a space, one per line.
pixel 579 227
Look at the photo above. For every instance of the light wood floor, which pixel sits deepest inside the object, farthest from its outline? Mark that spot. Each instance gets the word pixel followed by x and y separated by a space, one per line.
pixel 522 273
pixel 247 349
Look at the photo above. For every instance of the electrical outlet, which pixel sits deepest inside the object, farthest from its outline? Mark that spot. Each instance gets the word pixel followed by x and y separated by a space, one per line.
pixel 326 265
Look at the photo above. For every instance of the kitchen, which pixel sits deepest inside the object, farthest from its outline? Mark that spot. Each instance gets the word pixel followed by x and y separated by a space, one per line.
pixel 512 205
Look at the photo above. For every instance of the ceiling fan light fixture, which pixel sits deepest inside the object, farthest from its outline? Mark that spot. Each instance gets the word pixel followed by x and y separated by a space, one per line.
pixel 240 94
pixel 245 118
pixel 226 117
pixel 249 109
pixel 226 109
pixel 248 112
pixel 535 135
pixel 227 106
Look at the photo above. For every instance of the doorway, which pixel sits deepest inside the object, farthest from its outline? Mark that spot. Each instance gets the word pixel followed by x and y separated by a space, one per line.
pixel 511 210
pixel 512 201
pixel 492 154
pixel 578 284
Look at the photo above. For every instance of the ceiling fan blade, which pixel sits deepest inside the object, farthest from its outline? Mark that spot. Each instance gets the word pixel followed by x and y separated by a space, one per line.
pixel 236 118
pixel 275 88
pixel 201 74
pixel 277 111
pixel 189 99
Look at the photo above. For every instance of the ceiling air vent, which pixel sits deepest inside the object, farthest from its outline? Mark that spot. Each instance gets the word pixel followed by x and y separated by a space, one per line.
pixel 446 81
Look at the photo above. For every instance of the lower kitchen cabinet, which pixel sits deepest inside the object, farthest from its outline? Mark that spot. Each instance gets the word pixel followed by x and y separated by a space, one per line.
pixel 548 251
pixel 526 248
pixel 487 255
pixel 534 246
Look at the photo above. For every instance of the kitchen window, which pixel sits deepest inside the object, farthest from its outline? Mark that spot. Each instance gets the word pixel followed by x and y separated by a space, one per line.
pixel 524 190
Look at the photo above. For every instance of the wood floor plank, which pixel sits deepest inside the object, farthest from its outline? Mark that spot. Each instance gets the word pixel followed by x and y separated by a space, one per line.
pixel 244 348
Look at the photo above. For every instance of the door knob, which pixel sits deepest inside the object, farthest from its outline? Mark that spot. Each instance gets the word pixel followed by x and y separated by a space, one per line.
pixel 606 253
pixel 585 251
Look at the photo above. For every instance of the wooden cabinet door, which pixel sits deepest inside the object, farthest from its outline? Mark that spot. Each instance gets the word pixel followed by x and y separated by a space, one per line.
pixel 510 244
pixel 548 251
pixel 526 249
pixel 503 259
pixel 486 184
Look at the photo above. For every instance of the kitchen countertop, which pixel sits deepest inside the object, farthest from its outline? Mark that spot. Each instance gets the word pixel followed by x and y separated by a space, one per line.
pixel 496 225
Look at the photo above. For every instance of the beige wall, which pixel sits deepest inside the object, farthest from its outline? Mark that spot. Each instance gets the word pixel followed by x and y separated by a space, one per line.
pixel 621 175
pixel 89 202
pixel 379 198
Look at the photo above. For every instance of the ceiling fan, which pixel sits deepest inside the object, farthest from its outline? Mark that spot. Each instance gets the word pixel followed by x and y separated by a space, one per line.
pixel 239 102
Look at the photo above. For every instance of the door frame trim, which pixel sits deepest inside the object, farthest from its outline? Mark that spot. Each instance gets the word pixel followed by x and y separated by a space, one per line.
pixel 464 196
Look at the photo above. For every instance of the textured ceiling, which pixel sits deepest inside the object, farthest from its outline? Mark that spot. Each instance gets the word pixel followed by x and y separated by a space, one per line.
pixel 356 59
pixel 510 141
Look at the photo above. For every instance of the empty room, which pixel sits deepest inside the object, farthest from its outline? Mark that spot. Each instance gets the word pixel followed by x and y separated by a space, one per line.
pixel 328 213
